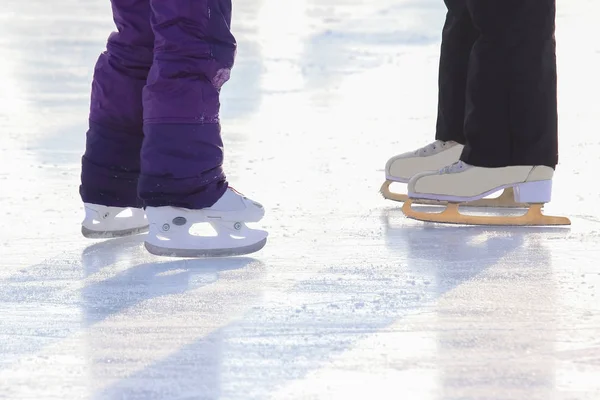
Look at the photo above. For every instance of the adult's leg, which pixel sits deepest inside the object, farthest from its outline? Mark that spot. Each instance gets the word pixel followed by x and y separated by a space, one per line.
pixel 111 163
pixel 511 116
pixel 458 38
pixel 182 154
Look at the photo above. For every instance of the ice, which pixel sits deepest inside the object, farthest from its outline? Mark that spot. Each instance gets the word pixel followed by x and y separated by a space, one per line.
pixel 349 299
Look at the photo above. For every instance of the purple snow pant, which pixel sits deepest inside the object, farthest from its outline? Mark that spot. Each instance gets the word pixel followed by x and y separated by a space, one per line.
pixel 154 134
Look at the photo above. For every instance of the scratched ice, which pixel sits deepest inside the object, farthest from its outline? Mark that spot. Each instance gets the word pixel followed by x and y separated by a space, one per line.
pixel 349 299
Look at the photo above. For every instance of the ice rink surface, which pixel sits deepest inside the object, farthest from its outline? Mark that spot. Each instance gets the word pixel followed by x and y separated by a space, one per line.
pixel 349 299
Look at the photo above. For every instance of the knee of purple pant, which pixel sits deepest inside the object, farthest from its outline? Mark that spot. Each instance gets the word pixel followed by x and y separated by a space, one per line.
pixel 221 77
pixel 120 75
pixel 170 97
pixel 131 58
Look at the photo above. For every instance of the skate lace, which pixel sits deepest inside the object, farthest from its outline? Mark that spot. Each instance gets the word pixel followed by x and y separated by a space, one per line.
pixel 236 191
pixel 431 147
pixel 457 166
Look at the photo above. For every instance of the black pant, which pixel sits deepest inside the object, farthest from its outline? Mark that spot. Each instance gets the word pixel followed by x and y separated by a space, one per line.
pixel 497 82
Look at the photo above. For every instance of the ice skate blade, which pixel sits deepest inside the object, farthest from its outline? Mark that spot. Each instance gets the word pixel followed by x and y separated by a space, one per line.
pixel 451 215
pixel 205 253
pixel 92 234
pixel 505 200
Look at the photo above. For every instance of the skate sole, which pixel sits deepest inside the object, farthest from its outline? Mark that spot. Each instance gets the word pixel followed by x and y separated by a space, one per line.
pixel 91 234
pixel 505 200
pixel 202 253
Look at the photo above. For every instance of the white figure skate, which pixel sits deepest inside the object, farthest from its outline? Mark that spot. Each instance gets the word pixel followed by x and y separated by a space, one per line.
pixel 400 168
pixel 433 157
pixel 104 222
pixel 461 183
pixel 170 233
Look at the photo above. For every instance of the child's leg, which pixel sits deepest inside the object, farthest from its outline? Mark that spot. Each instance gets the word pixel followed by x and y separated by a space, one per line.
pixel 111 164
pixel 511 114
pixel 182 154
pixel 458 38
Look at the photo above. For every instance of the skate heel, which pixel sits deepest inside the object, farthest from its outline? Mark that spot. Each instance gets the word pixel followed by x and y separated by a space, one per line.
pixel 534 192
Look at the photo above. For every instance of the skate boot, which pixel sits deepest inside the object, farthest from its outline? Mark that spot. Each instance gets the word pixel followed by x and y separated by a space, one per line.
pixel 461 184
pixel 104 222
pixel 400 168
pixel 172 229
pixel 433 157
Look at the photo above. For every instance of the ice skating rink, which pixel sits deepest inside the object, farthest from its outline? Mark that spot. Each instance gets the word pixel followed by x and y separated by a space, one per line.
pixel 349 299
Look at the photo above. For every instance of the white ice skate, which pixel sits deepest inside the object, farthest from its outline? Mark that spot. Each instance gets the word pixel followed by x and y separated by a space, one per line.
pixel 104 222
pixel 433 157
pixel 400 168
pixel 461 183
pixel 171 234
